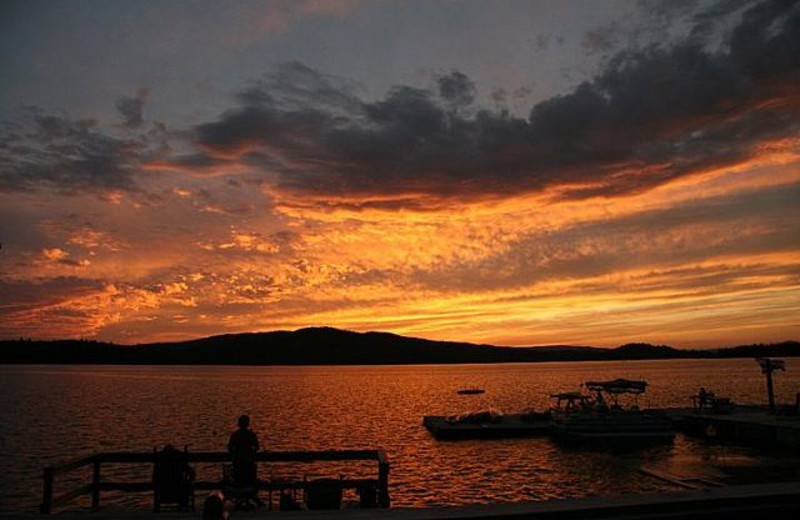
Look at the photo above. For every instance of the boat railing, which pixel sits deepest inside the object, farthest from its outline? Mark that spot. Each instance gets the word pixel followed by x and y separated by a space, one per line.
pixel 97 461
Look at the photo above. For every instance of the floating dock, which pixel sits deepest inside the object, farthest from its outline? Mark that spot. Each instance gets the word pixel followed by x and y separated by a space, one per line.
pixel 500 427
pixel 743 424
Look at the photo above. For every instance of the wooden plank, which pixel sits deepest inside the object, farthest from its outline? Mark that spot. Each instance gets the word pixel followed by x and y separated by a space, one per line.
pixel 263 456
pixel 216 484
pixel 73 464
pixel 127 457
pixel 222 456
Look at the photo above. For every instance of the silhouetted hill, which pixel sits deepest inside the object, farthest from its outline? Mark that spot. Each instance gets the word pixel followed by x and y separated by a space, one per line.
pixel 329 346
pixel 646 351
pixel 784 349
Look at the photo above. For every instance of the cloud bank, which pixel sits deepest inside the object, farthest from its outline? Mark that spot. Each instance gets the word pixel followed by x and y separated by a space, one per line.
pixel 651 116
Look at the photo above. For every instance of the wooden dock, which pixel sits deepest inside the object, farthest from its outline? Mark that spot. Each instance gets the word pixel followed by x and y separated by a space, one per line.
pixel 52 500
pixel 773 501
pixel 743 424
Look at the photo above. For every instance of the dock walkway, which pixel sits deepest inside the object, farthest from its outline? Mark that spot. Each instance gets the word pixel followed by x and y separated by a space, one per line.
pixel 774 501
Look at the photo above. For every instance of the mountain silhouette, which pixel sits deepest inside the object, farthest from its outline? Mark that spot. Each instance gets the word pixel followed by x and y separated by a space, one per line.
pixel 330 346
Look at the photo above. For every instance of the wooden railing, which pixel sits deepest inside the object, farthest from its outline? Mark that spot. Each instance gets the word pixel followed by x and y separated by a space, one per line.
pixel 96 461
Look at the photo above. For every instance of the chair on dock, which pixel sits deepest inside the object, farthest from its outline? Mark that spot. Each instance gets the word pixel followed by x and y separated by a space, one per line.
pixel 368 495
pixel 173 480
pixel 324 493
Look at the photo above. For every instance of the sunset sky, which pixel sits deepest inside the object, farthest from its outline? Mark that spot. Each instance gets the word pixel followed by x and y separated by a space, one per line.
pixel 509 172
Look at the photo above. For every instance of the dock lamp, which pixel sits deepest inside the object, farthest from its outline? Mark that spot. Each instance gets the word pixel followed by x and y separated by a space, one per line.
pixel 767 367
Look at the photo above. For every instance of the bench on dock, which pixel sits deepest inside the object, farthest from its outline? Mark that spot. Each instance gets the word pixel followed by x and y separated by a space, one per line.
pixel 366 487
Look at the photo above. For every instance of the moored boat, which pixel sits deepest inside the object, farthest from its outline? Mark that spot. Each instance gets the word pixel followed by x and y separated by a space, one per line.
pixel 602 416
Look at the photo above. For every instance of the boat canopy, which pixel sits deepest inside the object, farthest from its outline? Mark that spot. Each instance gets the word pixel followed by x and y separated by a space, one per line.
pixel 574 396
pixel 570 400
pixel 617 386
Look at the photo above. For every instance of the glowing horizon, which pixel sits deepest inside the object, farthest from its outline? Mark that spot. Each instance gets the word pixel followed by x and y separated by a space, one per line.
pixel 655 198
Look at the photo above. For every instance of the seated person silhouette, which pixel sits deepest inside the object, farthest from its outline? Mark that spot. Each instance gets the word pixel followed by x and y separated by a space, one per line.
pixel 173 479
pixel 243 446
pixel 702 398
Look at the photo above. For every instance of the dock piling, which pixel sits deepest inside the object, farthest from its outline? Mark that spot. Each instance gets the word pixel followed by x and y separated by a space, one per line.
pixel 383 482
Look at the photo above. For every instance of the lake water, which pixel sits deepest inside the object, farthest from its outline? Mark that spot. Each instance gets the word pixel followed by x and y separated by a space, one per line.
pixel 53 413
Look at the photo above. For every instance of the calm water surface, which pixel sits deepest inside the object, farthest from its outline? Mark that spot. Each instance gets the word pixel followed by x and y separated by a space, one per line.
pixel 51 413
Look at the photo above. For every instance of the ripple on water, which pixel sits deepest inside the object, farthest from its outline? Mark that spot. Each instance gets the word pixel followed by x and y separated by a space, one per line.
pixel 50 414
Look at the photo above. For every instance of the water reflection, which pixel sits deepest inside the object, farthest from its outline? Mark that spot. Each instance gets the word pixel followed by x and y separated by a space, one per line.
pixel 49 414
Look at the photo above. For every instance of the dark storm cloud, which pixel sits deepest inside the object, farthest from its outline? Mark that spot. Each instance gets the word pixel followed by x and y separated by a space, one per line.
pixel 68 155
pixel 601 40
pixel 456 89
pixel 650 116
pixel 767 42
pixel 195 162
pixel 707 21
pixel 642 92
pixel 132 108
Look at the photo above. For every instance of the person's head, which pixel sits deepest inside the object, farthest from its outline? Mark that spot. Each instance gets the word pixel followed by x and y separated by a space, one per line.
pixel 214 507
pixel 244 422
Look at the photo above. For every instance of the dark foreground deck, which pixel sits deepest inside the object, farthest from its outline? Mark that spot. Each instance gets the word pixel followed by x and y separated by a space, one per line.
pixel 773 501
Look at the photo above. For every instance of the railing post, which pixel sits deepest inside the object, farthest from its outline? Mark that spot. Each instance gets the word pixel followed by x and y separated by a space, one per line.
pixel 47 494
pixel 96 482
pixel 383 483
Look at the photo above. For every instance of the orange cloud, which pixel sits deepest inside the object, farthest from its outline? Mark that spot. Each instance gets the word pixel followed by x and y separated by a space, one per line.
pixel 54 254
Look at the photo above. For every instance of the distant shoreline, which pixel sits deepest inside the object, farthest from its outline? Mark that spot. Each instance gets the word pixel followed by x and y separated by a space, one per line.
pixel 334 347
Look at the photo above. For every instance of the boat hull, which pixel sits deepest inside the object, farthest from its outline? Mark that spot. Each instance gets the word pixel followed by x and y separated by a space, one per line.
pixel 623 426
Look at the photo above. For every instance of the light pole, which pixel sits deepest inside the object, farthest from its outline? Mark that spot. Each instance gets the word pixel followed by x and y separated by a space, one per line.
pixel 767 367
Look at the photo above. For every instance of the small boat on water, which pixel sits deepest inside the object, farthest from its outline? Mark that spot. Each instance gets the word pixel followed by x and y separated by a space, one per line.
pixel 487 425
pixel 602 416
pixel 472 390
